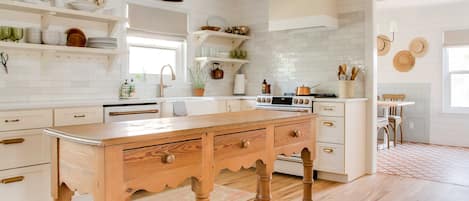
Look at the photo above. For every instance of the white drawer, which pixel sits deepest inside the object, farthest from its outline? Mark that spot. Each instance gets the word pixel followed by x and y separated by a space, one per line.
pixel 331 129
pixel 329 109
pixel 25 119
pixel 330 158
pixel 28 184
pixel 78 116
pixel 23 148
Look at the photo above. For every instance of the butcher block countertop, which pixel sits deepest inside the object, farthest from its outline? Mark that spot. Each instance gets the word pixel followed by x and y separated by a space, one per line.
pixel 135 131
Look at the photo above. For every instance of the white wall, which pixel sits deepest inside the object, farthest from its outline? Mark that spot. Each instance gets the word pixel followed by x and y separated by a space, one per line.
pixel 428 22
pixel 307 56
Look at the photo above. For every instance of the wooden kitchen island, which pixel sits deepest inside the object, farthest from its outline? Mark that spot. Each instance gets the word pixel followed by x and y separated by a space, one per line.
pixel 113 161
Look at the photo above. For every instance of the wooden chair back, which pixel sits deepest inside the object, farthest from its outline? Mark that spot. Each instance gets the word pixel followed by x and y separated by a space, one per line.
pixel 396 111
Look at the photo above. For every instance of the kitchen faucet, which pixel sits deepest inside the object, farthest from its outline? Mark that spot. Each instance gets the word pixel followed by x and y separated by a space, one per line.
pixel 173 77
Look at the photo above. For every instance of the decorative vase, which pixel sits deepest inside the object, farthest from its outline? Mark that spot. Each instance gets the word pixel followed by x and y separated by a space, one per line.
pixel 198 92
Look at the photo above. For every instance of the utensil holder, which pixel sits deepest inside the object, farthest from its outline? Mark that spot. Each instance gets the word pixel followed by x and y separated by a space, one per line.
pixel 346 89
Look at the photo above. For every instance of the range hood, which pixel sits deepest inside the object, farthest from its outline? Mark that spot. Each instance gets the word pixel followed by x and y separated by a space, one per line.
pixel 302 14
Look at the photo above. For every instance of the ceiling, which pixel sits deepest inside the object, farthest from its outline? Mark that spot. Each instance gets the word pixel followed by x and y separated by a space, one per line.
pixel 413 3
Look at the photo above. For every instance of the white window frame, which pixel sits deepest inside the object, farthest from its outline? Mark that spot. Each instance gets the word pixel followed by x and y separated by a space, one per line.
pixel 447 108
pixel 181 52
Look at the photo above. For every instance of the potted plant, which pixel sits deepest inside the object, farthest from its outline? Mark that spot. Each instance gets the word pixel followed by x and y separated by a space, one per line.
pixel 199 79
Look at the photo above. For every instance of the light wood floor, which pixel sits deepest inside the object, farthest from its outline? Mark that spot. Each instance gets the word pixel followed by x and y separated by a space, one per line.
pixel 379 187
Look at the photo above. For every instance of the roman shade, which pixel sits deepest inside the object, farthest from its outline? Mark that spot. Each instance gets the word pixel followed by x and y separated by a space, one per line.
pixel 156 20
pixel 456 37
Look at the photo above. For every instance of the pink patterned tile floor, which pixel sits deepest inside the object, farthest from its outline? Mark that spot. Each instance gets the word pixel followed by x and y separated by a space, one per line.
pixel 438 163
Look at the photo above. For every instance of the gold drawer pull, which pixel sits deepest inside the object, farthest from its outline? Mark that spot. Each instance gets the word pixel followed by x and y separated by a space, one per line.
pixel 79 116
pixel 296 133
pixel 134 112
pixel 245 144
pixel 328 109
pixel 169 158
pixel 328 150
pixel 12 120
pixel 12 180
pixel 328 123
pixel 12 141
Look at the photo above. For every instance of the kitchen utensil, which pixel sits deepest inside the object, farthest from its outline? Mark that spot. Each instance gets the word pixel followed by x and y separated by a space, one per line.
pixel 33 35
pixel 76 38
pixel 355 72
pixel 303 91
pixel 50 37
pixel 217 73
pixel 404 61
pixel 4 59
pixel 384 45
pixel 418 47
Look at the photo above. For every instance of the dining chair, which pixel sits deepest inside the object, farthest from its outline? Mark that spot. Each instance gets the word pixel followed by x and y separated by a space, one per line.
pixel 396 115
pixel 383 123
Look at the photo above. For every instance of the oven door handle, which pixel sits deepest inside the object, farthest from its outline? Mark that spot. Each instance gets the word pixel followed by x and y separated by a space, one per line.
pixel 285 109
pixel 113 114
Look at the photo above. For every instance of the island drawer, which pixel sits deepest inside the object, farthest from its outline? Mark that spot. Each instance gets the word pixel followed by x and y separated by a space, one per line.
pixel 331 130
pixel 329 109
pixel 26 184
pixel 239 144
pixel 25 119
pixel 23 148
pixel 78 116
pixel 293 133
pixel 145 161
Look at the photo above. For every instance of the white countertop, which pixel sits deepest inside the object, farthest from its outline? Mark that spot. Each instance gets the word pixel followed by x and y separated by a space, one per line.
pixel 340 99
pixel 100 102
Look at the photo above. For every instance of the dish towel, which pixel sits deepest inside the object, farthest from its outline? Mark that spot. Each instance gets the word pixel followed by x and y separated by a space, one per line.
pixel 179 109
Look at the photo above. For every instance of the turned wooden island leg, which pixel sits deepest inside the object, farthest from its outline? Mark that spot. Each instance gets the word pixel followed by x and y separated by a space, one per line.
pixel 202 190
pixel 308 175
pixel 264 180
pixel 64 193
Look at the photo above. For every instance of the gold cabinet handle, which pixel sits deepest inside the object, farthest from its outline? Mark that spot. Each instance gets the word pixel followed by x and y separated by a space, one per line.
pixel 328 123
pixel 169 158
pixel 12 120
pixel 12 180
pixel 12 141
pixel 328 108
pixel 245 144
pixel 328 150
pixel 134 112
pixel 296 133
pixel 79 116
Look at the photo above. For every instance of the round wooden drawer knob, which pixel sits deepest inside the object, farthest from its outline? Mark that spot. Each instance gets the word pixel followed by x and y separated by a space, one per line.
pixel 245 144
pixel 296 133
pixel 169 158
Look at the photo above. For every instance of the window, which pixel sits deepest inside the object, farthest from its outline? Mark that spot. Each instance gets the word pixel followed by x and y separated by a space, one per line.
pixel 456 79
pixel 148 56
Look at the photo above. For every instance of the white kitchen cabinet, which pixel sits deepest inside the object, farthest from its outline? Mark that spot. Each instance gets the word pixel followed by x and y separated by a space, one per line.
pixel 23 148
pixel 78 116
pixel 25 119
pixel 26 184
pixel 341 140
pixel 201 107
pixel 248 105
pixel 233 105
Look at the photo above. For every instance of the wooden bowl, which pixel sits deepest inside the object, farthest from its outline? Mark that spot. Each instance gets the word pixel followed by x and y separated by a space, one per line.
pixel 76 38
pixel 211 28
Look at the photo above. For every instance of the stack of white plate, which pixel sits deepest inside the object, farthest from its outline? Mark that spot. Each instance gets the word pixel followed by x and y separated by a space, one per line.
pixel 102 42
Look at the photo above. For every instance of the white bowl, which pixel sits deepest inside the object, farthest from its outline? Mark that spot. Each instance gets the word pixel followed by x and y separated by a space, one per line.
pixel 51 37
pixel 33 35
pixel 84 5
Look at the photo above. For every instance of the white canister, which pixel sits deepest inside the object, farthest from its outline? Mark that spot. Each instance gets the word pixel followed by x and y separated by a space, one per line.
pixel 346 89
pixel 33 35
